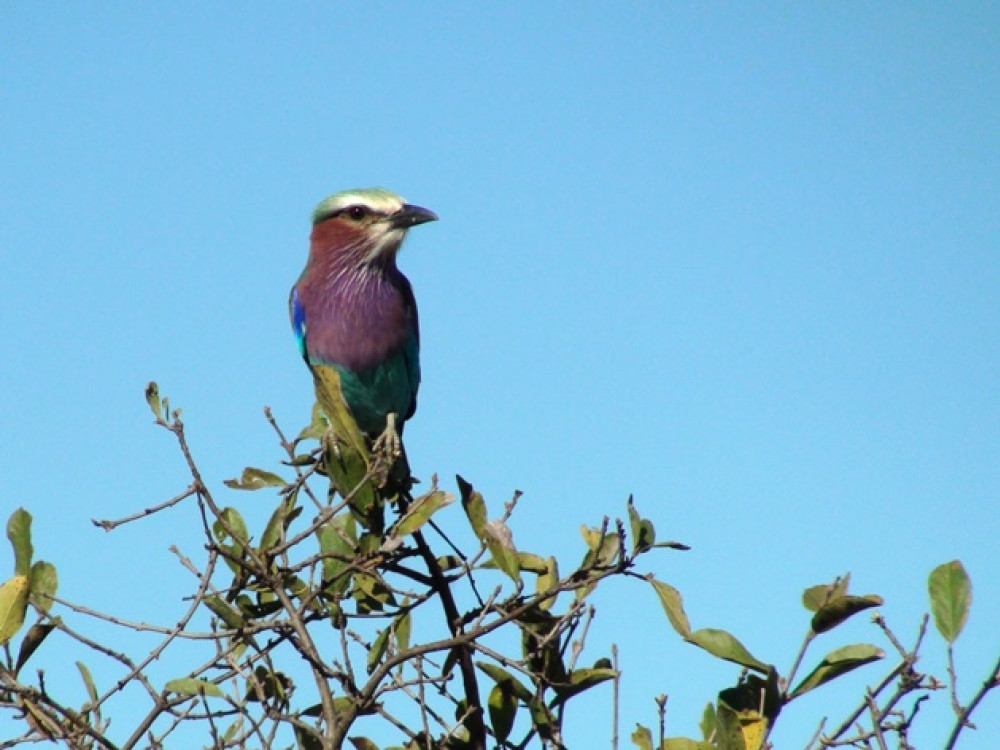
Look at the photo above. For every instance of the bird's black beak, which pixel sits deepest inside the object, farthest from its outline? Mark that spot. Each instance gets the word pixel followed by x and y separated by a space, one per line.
pixel 410 215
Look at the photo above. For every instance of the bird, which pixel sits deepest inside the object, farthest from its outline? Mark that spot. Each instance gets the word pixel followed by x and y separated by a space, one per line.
pixel 353 310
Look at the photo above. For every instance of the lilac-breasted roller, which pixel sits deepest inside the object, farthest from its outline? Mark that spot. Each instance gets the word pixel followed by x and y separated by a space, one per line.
pixel 353 310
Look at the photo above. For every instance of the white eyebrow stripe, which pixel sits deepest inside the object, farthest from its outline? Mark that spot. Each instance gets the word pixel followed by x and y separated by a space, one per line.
pixel 378 200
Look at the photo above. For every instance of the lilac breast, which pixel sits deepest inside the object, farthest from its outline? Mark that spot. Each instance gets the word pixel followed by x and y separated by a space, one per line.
pixel 356 318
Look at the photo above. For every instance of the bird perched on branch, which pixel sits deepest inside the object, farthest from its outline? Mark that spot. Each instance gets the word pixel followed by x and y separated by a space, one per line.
pixel 353 310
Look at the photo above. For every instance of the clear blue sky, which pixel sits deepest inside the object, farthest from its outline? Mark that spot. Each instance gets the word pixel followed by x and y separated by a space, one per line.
pixel 743 263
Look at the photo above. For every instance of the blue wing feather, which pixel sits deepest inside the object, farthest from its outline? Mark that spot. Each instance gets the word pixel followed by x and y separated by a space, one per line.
pixel 298 315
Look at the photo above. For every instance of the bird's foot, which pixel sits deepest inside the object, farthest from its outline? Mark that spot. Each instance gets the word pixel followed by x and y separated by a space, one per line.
pixel 388 446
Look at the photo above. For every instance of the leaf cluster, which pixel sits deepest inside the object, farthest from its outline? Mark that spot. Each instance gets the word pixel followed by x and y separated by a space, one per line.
pixel 349 614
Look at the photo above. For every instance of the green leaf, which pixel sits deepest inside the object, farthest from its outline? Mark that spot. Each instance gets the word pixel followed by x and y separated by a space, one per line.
pixel 729 735
pixel 233 554
pixel 231 518
pixel 501 676
pixel 13 606
pixel 526 562
pixel 255 479
pixel 88 681
pixel 547 581
pixel 192 686
pixel 683 743
pixel 225 612
pixel 308 738
pixel 837 610
pixel 231 732
pixel 604 547
pixel 378 649
pixel 348 467
pixel 401 628
pixel 277 524
pixel 474 507
pixel 267 685
pixel 42 585
pixel 836 663
pixel 670 599
pixel 950 591
pixel 583 679
pixel 363 743
pixel 502 704
pixel 815 597
pixel 542 719
pixel 500 543
pixel 532 563
pixel 672 545
pixel 338 538
pixel 603 550
pixel 450 562
pixel 316 427
pixel 19 533
pixel 421 511
pixel 708 722
pixel 31 641
pixel 371 593
pixel 643 533
pixel 723 645
pixel 642 738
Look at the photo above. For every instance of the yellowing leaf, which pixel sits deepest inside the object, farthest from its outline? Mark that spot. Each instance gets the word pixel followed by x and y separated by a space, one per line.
pixel 13 606
pixel 153 399
pixel 421 511
pixel 753 729
pixel 500 543
pixel 670 599
pixel 331 401
pixel 642 738
pixel 474 506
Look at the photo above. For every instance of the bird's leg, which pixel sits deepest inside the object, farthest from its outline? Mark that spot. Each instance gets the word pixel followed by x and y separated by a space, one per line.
pixel 388 443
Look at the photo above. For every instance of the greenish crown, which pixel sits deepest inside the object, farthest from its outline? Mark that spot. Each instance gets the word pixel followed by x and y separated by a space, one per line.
pixel 377 200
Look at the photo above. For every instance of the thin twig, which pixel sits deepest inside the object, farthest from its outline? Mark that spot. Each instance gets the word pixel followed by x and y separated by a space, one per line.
pixel 991 681
pixel 109 525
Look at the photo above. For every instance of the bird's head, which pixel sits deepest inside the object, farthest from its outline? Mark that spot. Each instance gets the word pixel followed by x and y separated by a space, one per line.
pixel 365 226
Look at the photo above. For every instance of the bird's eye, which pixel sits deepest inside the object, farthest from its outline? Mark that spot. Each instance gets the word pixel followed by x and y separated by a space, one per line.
pixel 357 212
